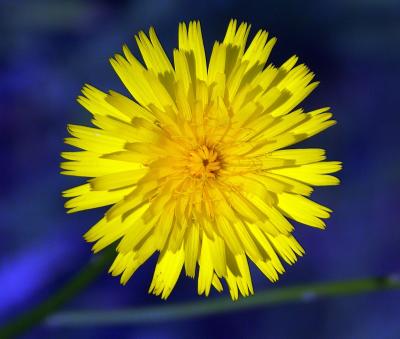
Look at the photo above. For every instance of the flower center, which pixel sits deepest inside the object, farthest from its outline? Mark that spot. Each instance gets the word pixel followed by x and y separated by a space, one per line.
pixel 204 162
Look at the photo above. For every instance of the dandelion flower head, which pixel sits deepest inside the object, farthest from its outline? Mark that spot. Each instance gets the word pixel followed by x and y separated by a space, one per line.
pixel 196 165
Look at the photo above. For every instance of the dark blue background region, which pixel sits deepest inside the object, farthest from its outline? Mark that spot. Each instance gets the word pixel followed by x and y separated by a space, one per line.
pixel 49 49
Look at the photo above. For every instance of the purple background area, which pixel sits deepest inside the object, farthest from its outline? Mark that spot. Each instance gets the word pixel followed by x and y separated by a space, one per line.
pixel 49 49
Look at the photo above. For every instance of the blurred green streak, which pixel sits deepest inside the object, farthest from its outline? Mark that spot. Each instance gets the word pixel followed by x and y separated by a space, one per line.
pixel 169 311
pixel 273 296
pixel 30 318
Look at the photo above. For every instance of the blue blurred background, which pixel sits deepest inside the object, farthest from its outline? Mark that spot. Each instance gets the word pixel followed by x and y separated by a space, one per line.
pixel 49 49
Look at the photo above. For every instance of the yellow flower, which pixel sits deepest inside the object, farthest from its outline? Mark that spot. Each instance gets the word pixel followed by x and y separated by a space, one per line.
pixel 193 166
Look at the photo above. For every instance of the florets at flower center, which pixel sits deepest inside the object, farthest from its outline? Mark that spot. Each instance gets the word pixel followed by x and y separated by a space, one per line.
pixel 204 162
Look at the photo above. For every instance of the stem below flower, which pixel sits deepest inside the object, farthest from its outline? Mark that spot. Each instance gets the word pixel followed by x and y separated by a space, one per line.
pixel 273 296
pixel 83 278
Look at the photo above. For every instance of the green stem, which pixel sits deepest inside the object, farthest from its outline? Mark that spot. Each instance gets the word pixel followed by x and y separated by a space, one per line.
pixel 27 320
pixel 166 312
pixel 220 305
